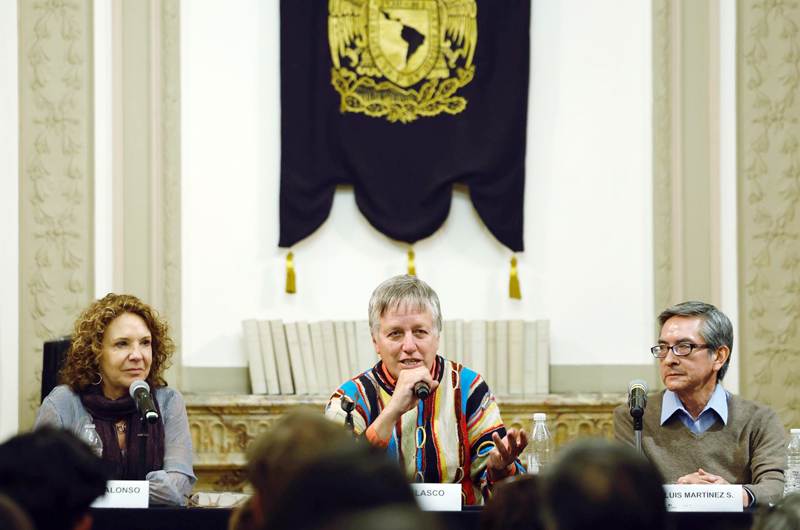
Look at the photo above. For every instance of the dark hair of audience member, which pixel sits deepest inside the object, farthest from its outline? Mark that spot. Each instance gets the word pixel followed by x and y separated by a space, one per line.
pixel 394 517
pixel 516 504
pixel 343 480
pixel 279 453
pixel 53 476
pixel 782 516
pixel 12 517
pixel 600 484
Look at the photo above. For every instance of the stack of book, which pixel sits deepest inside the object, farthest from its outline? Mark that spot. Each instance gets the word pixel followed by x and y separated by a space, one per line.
pixel 301 358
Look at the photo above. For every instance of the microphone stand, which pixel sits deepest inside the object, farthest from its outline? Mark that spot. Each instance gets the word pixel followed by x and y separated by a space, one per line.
pixel 637 414
pixel 144 436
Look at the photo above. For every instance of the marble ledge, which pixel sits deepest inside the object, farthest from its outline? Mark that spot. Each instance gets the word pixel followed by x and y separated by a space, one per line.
pixel 250 401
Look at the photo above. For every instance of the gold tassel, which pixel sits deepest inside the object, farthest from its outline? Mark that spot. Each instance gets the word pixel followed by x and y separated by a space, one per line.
pixel 290 280
pixel 513 283
pixel 412 270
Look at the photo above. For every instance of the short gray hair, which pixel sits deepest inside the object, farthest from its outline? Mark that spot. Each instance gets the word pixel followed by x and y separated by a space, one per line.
pixel 406 291
pixel 715 327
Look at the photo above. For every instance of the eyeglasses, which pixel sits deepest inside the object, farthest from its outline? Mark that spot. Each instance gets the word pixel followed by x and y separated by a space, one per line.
pixel 681 350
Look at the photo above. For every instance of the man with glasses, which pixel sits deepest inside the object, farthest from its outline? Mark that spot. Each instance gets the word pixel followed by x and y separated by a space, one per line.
pixel 696 432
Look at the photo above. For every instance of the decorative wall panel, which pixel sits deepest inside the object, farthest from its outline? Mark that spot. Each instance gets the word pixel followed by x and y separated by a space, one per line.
pixel 769 193
pixel 56 180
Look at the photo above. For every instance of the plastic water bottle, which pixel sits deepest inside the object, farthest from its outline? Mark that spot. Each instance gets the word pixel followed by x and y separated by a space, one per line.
pixel 791 477
pixel 92 439
pixel 541 449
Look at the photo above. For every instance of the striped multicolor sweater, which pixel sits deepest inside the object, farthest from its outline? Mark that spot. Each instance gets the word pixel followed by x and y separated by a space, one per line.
pixel 446 439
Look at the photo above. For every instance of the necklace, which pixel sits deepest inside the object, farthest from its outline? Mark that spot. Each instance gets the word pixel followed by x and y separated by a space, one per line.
pixel 121 427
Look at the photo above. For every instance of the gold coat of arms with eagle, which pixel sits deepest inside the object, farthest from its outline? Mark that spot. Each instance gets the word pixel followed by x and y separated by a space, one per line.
pixel 402 59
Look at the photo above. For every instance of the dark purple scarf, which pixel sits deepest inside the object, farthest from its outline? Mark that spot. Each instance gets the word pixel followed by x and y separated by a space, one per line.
pixel 106 413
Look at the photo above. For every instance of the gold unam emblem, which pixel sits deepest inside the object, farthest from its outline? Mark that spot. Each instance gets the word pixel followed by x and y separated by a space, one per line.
pixel 382 49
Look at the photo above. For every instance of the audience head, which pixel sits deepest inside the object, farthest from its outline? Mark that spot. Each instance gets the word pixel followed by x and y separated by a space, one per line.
pixel 342 480
pixel 782 516
pixel 276 456
pixel 613 486
pixel 82 366
pixel 53 476
pixel 516 504
pixel 394 517
pixel 404 292
pixel 12 517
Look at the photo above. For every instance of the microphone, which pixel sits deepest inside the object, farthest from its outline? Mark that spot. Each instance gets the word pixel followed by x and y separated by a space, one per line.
pixel 637 397
pixel 140 392
pixel 422 390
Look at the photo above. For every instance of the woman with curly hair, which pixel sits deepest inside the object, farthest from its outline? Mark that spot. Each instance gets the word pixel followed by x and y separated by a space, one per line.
pixel 116 341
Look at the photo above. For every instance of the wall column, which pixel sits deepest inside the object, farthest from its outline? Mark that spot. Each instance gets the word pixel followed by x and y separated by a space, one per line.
pixel 147 258
pixel 56 175
pixel 769 194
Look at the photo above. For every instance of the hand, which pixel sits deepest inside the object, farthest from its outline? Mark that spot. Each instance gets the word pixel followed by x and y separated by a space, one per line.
pixel 403 399
pixel 506 451
pixel 701 477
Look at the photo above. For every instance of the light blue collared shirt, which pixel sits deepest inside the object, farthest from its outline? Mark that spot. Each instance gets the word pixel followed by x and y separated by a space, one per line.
pixel 716 408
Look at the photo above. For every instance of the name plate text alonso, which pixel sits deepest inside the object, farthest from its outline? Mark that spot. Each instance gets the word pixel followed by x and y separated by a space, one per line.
pixel 703 498
pixel 124 494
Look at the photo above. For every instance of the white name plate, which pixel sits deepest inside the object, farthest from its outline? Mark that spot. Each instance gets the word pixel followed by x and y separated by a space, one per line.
pixel 703 498
pixel 438 497
pixel 124 494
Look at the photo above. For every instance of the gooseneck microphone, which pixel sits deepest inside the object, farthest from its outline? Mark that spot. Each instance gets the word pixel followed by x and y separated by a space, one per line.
pixel 637 397
pixel 637 401
pixel 422 390
pixel 140 392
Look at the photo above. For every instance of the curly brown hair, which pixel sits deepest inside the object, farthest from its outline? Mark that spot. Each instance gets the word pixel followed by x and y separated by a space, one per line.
pixel 83 357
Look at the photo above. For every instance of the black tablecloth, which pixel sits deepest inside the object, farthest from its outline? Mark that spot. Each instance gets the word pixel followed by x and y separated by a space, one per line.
pixel 217 519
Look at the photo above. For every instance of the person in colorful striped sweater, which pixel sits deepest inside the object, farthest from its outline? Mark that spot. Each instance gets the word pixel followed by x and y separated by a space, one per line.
pixel 456 434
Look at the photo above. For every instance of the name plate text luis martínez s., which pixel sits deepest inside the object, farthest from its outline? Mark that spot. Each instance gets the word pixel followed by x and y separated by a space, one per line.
pixel 703 498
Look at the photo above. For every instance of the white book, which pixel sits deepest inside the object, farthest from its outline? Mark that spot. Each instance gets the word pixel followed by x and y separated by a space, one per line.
pixel 491 356
pixel 466 339
pixel 442 343
pixel 501 365
pixel 326 386
pixel 516 359
pixel 331 357
pixel 530 384
pixel 366 351
pixel 543 356
pixel 307 353
pixel 345 372
pixel 296 358
pixel 477 335
pixel 352 351
pixel 459 329
pixel 268 356
pixel 282 357
pixel 252 345
pixel 450 337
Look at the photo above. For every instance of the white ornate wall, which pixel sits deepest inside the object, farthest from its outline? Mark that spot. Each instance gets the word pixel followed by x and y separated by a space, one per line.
pixel 769 194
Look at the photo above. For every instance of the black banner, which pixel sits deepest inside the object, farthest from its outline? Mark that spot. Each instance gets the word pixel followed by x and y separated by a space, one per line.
pixel 402 99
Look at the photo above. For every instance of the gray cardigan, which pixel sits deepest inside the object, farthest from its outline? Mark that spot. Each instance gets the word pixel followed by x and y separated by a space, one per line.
pixel 63 409
pixel 749 450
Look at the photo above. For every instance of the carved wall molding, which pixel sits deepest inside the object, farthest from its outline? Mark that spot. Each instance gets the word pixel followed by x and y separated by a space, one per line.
pixel 222 427
pixel 662 155
pixel 56 180
pixel 769 192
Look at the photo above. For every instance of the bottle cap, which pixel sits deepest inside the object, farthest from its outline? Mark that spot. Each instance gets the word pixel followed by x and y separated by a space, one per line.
pixel 540 416
pixel 795 431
